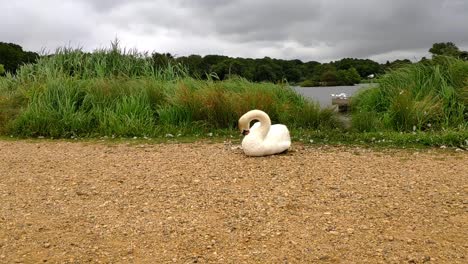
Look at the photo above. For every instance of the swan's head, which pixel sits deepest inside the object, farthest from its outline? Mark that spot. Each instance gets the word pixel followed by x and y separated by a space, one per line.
pixel 244 125
pixel 244 121
pixel 244 128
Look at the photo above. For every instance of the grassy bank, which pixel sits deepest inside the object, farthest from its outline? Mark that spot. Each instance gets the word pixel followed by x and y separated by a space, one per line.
pixel 114 92
pixel 119 93
pixel 430 96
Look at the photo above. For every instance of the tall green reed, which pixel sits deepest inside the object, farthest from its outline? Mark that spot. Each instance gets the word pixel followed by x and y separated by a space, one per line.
pixel 119 92
pixel 101 63
pixel 423 96
pixel 220 104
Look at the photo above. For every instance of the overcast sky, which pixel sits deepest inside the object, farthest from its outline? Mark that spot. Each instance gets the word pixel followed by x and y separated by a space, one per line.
pixel 321 30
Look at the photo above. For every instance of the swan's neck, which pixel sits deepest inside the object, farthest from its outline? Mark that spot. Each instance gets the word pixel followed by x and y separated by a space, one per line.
pixel 265 122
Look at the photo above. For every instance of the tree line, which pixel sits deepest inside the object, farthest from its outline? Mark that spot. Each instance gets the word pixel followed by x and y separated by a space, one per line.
pixel 347 71
pixel 12 56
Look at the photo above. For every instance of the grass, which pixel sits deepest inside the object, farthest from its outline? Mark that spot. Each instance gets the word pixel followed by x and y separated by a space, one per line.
pixel 449 138
pixel 145 107
pixel 426 96
pixel 370 81
pixel 101 63
pixel 116 93
pixel 120 93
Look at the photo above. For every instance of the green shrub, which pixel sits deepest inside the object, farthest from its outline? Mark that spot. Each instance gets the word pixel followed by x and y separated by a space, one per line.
pixel 427 95
pixel 366 122
pixel 308 83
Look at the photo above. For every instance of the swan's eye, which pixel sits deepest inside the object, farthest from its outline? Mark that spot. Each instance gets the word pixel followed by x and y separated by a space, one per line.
pixel 245 132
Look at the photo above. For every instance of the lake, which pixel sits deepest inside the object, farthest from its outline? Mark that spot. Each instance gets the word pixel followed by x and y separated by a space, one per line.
pixel 323 94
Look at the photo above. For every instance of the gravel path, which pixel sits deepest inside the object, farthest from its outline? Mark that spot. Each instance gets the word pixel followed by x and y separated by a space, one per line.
pixel 66 202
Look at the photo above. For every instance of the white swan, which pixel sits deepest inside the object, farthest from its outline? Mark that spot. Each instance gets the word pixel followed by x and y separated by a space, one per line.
pixel 263 138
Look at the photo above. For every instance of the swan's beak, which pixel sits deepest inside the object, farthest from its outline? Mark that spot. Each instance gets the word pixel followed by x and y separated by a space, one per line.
pixel 245 132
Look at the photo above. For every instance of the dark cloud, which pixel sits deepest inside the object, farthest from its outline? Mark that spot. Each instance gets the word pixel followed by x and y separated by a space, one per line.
pixel 108 5
pixel 305 29
pixel 264 20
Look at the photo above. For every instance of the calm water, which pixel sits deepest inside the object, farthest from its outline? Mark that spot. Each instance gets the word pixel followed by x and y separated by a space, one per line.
pixel 323 94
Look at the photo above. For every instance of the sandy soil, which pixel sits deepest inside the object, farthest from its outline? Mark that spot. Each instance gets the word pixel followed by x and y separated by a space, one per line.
pixel 65 202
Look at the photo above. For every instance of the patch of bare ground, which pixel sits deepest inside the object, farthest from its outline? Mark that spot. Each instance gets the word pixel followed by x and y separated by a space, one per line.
pixel 64 202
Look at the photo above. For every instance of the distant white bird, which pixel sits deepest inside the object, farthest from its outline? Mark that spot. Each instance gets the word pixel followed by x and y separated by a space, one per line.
pixel 340 96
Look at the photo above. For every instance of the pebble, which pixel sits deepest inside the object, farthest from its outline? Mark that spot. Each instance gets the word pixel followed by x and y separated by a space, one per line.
pixel 254 202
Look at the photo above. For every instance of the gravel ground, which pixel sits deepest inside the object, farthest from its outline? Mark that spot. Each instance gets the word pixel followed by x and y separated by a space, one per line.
pixel 67 202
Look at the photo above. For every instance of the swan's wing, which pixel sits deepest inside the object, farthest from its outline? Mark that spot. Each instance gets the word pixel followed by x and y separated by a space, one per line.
pixel 277 139
pixel 278 133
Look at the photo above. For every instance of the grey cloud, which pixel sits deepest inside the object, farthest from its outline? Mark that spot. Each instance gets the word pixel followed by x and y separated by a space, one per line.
pixel 107 5
pixel 42 27
pixel 304 29
pixel 259 15
pixel 372 28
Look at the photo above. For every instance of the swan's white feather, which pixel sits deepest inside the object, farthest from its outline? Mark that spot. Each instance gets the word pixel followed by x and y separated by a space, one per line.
pixel 277 140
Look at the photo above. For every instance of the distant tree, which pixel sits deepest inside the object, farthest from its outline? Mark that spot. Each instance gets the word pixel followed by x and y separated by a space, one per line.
pixel 30 57
pixel 265 72
pixel 2 70
pixel 236 67
pixel 248 68
pixel 364 67
pixel 329 77
pixel 309 68
pixel 162 60
pixel 348 77
pixel 12 56
pixel 445 48
pixel 464 55
pixel 342 78
pixel 268 69
pixel 396 64
pixel 221 69
pixel 291 70
pixel 195 65
pixel 353 75
pixel 214 59
pixel 293 74
pixel 323 72
pixel 308 83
